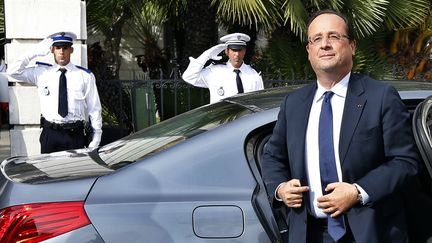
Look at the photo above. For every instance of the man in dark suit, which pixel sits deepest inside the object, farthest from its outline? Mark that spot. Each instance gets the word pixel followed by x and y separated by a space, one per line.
pixel 342 148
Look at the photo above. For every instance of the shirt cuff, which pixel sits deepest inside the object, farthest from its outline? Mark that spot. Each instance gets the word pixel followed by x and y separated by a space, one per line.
pixel 363 193
pixel 276 196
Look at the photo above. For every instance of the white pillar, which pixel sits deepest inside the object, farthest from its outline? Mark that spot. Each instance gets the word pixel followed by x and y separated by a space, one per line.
pixel 27 23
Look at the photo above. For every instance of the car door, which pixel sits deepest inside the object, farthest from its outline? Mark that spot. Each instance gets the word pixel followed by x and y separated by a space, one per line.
pixel 419 193
pixel 272 220
pixel 422 125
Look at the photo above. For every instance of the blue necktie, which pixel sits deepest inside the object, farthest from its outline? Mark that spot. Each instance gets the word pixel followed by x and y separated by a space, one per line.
pixel 62 99
pixel 239 81
pixel 336 226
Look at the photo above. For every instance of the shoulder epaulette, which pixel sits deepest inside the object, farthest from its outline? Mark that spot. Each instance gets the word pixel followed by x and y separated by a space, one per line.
pixel 255 68
pixel 218 62
pixel 83 68
pixel 43 64
pixel 222 61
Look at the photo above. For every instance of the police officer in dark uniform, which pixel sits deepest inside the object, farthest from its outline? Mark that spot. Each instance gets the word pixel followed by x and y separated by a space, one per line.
pixel 68 95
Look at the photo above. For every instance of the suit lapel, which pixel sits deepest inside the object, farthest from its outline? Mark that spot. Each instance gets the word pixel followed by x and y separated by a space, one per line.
pixel 355 102
pixel 299 133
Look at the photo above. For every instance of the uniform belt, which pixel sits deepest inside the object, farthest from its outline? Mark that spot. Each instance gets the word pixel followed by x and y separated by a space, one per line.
pixel 62 126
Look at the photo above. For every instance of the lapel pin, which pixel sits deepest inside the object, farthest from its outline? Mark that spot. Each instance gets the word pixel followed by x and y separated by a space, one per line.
pixel 359 105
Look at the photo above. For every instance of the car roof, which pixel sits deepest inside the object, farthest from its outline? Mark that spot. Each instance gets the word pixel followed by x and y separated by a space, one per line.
pixel 272 97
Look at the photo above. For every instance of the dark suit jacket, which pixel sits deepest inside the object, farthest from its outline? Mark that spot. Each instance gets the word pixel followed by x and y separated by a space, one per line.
pixel 376 149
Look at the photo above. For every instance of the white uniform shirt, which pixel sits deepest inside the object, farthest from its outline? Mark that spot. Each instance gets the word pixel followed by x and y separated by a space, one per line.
pixel 83 97
pixel 220 79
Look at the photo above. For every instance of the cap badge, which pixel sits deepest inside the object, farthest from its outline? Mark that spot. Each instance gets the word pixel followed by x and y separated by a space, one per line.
pixel 221 91
pixel 46 91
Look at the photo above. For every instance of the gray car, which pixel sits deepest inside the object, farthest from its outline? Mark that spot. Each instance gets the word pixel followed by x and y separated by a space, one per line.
pixel 192 178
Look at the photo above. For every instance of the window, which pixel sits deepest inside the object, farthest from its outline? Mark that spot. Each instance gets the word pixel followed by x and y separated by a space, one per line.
pixel 169 133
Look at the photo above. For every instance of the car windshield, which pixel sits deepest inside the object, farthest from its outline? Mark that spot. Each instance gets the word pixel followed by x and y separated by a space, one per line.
pixel 169 133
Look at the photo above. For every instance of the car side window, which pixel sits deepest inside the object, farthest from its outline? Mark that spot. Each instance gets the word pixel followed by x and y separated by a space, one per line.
pixel 256 144
pixel 273 220
pixel 260 150
pixel 278 215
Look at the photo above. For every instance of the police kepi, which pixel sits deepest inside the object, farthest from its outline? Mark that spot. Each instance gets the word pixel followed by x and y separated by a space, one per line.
pixel 235 41
pixel 63 38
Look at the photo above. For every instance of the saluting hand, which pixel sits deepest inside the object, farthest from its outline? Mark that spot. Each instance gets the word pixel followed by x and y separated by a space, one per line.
pixel 291 193
pixel 44 47
pixel 212 53
pixel 342 197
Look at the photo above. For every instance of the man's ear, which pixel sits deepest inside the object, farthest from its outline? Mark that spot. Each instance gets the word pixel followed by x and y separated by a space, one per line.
pixel 72 49
pixel 353 46
pixel 52 49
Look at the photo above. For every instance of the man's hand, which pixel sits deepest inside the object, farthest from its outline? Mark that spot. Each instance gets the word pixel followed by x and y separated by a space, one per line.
pixel 215 50
pixel 291 193
pixel 212 53
pixel 44 47
pixel 342 197
pixel 96 139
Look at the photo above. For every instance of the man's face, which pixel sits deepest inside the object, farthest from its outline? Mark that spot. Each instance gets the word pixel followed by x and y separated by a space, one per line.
pixel 236 56
pixel 329 49
pixel 62 54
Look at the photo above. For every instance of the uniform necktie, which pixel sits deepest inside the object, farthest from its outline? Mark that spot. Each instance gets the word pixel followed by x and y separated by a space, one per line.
pixel 62 99
pixel 239 81
pixel 327 161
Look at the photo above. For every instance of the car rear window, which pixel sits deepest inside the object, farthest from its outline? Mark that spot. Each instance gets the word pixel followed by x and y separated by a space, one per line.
pixel 169 133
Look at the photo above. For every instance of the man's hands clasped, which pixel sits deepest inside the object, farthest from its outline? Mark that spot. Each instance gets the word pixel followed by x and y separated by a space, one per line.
pixel 340 198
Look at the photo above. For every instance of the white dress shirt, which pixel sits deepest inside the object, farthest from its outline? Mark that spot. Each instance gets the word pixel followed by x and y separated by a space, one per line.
pixel 311 152
pixel 220 79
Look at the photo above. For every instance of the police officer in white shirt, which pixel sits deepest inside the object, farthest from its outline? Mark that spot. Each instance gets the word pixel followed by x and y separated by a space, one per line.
pixel 224 80
pixel 68 95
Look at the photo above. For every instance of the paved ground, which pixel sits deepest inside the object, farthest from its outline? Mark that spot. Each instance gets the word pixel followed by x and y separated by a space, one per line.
pixel 4 144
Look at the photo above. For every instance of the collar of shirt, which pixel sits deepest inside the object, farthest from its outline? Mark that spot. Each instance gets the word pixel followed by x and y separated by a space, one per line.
pixel 230 66
pixel 340 89
pixel 68 67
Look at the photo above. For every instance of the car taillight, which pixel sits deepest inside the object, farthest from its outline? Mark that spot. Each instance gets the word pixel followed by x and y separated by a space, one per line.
pixel 40 221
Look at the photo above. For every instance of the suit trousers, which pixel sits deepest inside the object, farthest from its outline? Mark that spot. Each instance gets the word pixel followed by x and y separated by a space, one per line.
pixel 317 231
